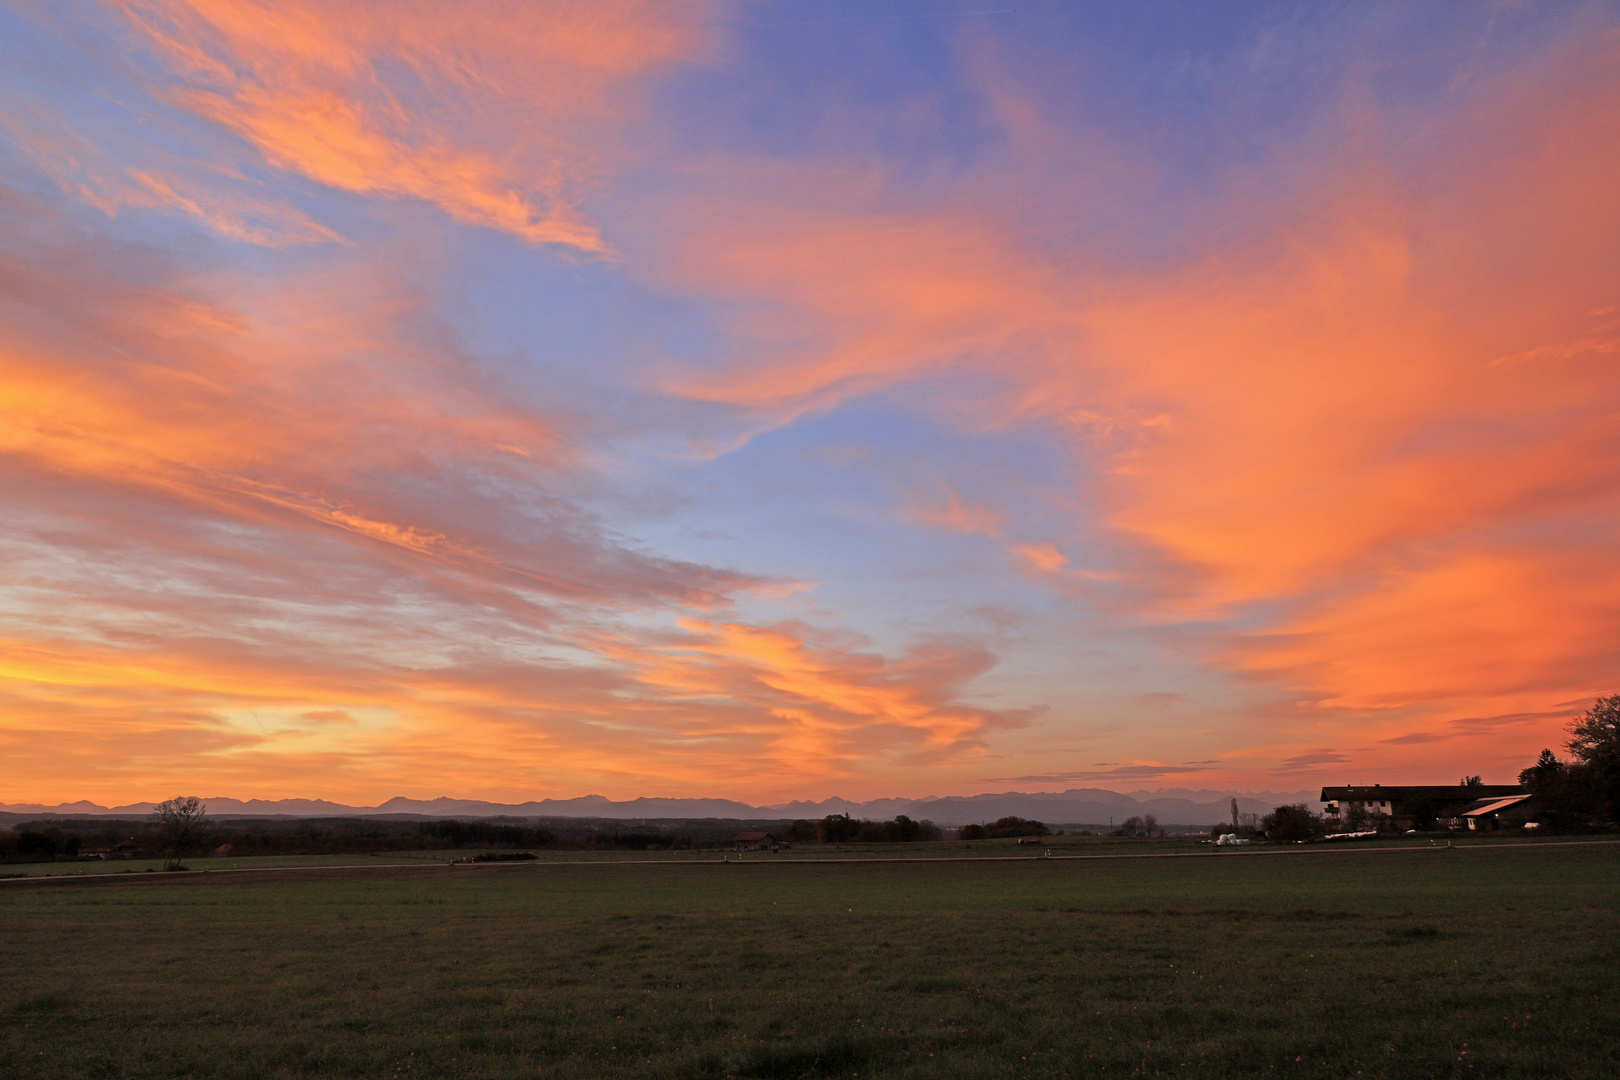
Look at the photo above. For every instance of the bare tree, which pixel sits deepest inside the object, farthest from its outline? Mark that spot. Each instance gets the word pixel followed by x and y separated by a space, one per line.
pixel 180 825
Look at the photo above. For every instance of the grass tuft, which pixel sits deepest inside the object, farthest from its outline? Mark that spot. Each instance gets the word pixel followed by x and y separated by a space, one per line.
pixel 47 1001
pixel 837 1056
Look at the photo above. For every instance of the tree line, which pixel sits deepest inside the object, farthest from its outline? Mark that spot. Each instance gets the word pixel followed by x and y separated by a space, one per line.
pixel 181 828
pixel 158 836
pixel 843 829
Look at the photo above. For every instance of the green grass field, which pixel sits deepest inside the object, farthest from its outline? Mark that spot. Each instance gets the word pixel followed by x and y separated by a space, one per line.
pixel 1484 962
pixel 1058 846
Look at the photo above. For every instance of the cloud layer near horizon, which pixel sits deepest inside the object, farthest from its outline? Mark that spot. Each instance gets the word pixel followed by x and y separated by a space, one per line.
pixel 397 401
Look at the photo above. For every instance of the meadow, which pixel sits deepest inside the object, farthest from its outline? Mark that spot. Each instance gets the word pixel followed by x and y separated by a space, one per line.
pixel 1479 962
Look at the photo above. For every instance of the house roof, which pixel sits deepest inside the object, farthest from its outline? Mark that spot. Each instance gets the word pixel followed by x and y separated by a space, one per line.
pixel 747 837
pixel 1435 792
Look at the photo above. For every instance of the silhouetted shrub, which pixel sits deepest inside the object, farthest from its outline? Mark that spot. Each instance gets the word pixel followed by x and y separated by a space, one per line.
pixel 1292 823
pixel 1014 826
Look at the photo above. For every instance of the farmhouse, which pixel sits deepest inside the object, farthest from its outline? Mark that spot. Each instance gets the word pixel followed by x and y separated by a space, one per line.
pixel 1406 807
pixel 757 841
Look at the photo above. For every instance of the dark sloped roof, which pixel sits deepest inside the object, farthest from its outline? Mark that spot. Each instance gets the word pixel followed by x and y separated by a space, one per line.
pixel 1435 792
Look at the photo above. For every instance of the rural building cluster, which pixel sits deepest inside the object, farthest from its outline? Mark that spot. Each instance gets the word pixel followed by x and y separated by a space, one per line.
pixel 1475 807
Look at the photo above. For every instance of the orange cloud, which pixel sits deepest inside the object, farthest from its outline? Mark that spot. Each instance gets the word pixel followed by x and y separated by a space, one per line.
pixel 256 221
pixel 1043 557
pixel 1498 629
pixel 229 522
pixel 955 515
pixel 864 299
pixel 1356 445
pixel 1310 428
pixel 838 703
pixel 91 171
pixel 753 711
pixel 153 386
pixel 487 112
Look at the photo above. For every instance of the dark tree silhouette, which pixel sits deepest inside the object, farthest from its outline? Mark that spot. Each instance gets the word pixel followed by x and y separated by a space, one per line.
pixel 1544 774
pixel 180 827
pixel 1559 791
pixel 1572 794
pixel 1015 826
pixel 839 829
pixel 1594 739
pixel 1294 822
pixel 1131 826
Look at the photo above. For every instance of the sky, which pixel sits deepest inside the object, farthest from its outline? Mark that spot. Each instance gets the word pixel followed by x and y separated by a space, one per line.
pixel 795 399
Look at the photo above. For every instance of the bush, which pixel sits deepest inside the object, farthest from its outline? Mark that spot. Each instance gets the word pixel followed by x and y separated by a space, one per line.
pixel 1292 823
pixel 1014 826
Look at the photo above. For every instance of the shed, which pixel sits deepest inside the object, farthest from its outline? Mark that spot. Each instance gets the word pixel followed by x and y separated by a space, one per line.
pixel 1489 815
pixel 756 841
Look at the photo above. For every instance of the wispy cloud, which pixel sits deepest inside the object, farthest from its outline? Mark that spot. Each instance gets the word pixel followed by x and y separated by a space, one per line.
pixel 343 349
pixel 1300 430
pixel 1114 774
pixel 486 113
pixel 1310 762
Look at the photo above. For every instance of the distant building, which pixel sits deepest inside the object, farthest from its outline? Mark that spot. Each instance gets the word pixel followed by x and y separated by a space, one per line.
pixel 1491 815
pixel 757 841
pixel 1447 804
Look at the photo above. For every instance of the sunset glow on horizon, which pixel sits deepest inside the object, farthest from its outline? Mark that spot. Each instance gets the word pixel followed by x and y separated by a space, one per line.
pixel 788 400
